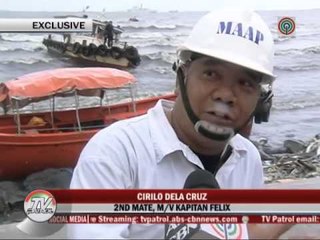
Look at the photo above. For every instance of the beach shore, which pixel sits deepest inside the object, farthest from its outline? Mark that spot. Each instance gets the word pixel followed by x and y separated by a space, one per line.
pixel 10 231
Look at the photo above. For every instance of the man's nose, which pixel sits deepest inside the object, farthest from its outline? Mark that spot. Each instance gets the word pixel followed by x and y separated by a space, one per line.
pixel 225 93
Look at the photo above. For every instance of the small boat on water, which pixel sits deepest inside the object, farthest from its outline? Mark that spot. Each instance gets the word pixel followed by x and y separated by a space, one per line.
pixel 90 49
pixel 33 140
pixel 133 19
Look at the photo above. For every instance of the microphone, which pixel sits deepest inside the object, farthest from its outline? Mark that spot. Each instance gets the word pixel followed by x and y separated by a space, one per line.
pixel 198 179
pixel 201 179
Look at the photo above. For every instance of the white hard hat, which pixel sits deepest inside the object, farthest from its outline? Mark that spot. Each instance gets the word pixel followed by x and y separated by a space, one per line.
pixel 237 36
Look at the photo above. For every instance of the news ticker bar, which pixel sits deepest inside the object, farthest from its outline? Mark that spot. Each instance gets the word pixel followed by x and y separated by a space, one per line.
pixel 180 219
pixel 187 208
pixel 45 25
pixel 187 196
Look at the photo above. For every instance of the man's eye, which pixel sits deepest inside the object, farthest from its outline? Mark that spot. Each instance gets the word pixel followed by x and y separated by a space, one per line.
pixel 210 73
pixel 247 83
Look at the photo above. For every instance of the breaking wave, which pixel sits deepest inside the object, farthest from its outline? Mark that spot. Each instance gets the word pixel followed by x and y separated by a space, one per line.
pixel 151 27
pixel 27 61
pixel 296 51
pixel 155 35
pixel 20 37
pixel 18 49
pixel 294 105
pixel 160 57
pixel 299 67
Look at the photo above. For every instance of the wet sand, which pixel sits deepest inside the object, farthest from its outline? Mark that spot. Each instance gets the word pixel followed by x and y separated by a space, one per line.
pixel 297 232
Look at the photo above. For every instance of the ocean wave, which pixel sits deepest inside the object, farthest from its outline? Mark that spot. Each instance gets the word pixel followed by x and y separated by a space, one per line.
pixel 156 45
pixel 147 35
pixel 20 37
pixel 311 34
pixel 17 49
pixel 296 105
pixel 281 39
pixel 162 70
pixel 300 67
pixel 150 27
pixel 296 51
pixel 159 56
pixel 27 61
pixel 278 39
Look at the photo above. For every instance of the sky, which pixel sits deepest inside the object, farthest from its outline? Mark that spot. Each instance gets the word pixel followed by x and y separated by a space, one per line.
pixel 159 5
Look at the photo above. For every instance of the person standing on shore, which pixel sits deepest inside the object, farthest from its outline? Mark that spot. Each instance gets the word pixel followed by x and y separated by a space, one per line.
pixel 224 69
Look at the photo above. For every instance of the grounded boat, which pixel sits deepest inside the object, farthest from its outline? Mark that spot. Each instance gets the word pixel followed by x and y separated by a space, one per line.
pixel 35 140
pixel 90 50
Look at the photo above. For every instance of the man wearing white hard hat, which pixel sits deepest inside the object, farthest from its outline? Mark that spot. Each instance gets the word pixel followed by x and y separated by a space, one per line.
pixel 224 74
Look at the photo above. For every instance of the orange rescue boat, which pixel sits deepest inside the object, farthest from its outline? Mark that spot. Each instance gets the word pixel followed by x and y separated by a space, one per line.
pixel 34 140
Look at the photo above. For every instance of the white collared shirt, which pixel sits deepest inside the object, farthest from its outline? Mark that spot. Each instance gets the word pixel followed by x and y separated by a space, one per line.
pixel 145 153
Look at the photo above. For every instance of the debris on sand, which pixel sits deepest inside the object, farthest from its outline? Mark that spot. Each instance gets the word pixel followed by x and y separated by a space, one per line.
pixel 296 159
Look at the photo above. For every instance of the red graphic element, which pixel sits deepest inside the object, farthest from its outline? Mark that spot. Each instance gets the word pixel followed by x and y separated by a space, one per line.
pixel 212 196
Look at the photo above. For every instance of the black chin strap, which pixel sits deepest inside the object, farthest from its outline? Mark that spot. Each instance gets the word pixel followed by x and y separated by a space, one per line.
pixel 194 119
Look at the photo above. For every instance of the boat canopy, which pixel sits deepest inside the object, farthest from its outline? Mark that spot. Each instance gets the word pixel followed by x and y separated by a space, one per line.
pixel 63 81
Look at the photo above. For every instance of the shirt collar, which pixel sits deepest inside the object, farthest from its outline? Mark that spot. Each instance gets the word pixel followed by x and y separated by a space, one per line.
pixel 164 138
pixel 238 145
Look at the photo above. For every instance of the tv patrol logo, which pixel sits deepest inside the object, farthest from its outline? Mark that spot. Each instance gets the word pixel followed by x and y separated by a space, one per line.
pixel 40 206
pixel 286 26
